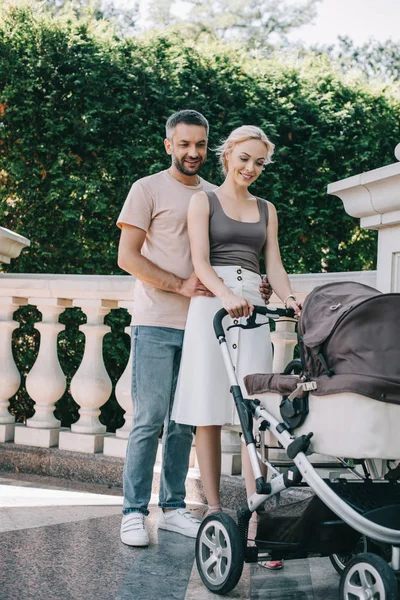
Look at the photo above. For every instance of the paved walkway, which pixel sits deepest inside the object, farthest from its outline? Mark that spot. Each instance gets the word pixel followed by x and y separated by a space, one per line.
pixel 60 541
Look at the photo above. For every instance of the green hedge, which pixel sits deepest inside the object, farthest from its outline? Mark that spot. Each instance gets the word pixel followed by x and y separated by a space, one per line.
pixel 82 116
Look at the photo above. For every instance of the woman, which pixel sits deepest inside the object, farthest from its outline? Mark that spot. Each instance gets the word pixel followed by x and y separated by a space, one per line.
pixel 228 230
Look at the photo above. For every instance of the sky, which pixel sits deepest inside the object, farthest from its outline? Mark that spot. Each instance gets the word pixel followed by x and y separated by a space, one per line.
pixel 358 19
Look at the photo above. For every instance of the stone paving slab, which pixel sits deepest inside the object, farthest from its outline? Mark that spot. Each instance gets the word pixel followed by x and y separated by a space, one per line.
pixel 74 553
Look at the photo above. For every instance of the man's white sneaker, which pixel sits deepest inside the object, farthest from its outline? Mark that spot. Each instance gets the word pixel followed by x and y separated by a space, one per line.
pixel 179 521
pixel 133 532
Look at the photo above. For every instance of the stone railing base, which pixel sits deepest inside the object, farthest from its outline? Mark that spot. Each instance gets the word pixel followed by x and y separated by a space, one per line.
pixel 107 471
pixel 7 432
pixel 104 470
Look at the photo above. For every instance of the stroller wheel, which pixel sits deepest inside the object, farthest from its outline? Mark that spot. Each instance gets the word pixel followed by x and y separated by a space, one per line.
pixel 340 561
pixel 219 553
pixel 368 576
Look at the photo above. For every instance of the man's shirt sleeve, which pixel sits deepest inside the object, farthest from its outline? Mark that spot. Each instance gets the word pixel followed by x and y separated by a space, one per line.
pixel 138 208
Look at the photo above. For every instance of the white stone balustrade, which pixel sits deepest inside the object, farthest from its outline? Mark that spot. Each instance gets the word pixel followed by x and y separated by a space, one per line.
pixel 91 386
pixel 46 381
pixel 9 375
pixel 116 446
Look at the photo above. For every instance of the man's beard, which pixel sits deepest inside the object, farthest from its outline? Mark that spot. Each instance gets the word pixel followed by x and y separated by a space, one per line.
pixel 180 165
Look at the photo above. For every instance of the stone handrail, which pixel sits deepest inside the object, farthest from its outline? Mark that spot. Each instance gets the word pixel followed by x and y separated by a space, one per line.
pixel 11 244
pixel 91 387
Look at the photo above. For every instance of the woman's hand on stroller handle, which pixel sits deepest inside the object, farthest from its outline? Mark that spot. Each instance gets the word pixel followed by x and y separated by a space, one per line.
pixel 294 305
pixel 272 313
pixel 236 306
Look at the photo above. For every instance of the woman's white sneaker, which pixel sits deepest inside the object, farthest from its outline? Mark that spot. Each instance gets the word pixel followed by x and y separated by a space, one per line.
pixel 133 532
pixel 180 521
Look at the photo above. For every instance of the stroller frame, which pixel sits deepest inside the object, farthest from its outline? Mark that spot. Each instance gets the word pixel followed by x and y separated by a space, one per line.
pixel 296 449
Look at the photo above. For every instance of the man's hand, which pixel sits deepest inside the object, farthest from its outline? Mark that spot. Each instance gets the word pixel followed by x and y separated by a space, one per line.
pixel 265 290
pixel 193 287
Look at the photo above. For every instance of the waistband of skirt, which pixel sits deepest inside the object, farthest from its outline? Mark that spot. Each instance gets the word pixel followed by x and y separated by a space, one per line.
pixel 233 270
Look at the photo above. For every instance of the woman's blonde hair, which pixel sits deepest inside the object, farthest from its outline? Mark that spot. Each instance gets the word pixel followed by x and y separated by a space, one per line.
pixel 242 134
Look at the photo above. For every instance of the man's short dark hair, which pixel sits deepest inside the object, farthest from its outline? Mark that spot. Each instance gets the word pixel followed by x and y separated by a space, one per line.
pixel 189 117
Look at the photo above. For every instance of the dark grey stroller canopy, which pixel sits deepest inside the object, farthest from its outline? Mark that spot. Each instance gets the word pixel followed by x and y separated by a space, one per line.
pixel 349 341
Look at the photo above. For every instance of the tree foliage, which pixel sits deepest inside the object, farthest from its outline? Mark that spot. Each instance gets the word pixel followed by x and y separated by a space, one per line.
pixel 83 113
pixel 374 59
pixel 124 18
pixel 256 23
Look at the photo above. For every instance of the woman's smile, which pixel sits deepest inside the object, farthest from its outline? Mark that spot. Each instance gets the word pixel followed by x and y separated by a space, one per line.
pixel 246 176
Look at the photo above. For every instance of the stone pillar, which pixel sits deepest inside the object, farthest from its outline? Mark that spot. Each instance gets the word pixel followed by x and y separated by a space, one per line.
pixel 374 197
pixel 90 386
pixel 284 340
pixel 46 381
pixel 9 374
pixel 116 445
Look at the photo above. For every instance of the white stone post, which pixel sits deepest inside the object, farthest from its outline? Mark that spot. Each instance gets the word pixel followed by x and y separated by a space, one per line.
pixel 231 446
pixel 116 445
pixel 9 374
pixel 284 340
pixel 46 381
pixel 90 386
pixel 374 197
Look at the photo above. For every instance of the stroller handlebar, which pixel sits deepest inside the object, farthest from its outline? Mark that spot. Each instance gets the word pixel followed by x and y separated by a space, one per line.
pixel 271 313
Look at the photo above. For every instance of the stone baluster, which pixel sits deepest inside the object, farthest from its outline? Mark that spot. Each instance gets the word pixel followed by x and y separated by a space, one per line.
pixel 231 446
pixel 116 445
pixel 9 374
pixel 90 386
pixel 284 340
pixel 46 381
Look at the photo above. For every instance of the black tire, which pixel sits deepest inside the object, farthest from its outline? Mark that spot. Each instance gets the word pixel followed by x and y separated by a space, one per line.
pixel 368 572
pixel 340 561
pixel 294 367
pixel 219 553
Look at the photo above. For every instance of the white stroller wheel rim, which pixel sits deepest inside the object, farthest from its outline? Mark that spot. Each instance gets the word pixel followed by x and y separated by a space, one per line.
pixel 364 582
pixel 215 553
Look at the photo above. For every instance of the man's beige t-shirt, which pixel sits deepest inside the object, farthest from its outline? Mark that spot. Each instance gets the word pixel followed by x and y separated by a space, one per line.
pixel 158 204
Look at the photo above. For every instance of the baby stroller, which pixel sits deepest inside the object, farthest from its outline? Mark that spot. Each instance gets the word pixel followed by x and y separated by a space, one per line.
pixel 343 402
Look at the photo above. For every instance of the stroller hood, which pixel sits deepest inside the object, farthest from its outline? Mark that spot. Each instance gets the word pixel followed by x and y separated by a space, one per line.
pixel 325 306
pixel 349 340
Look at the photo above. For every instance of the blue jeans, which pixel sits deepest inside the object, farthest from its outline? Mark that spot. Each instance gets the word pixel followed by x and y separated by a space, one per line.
pixel 156 358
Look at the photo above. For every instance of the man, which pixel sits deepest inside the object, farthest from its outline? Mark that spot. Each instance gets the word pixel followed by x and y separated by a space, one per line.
pixel 154 247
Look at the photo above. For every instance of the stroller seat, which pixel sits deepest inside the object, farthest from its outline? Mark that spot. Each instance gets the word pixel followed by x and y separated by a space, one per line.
pixel 349 343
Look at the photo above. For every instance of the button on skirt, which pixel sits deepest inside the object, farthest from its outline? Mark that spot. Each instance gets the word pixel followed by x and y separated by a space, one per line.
pixel 202 395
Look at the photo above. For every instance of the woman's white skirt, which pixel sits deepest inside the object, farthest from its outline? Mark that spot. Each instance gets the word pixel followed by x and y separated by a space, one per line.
pixel 202 394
